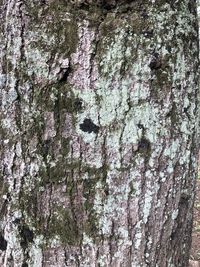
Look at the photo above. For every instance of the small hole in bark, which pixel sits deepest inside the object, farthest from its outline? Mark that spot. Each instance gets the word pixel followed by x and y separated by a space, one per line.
pixel 144 145
pixel 64 74
pixel 173 235
pixel 106 191
pixel 155 62
pixel 17 221
pixel 140 126
pixel 89 126
pixel 188 73
pixel 24 264
pixel 184 199
pixel 3 243
pixel 8 196
pixel 148 34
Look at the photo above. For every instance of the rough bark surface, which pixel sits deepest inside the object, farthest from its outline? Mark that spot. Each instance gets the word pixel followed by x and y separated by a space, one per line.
pixel 98 132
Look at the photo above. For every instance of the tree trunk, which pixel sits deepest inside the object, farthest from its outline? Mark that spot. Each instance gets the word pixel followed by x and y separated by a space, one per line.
pixel 98 132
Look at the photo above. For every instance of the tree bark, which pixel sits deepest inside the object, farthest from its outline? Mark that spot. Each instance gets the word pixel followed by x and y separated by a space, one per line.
pixel 98 132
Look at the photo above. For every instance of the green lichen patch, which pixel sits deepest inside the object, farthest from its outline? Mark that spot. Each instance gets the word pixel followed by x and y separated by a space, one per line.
pixel 57 97
pixel 32 221
pixel 91 225
pixel 54 170
pixel 63 225
pixel 59 29
pixel 73 104
pixel 161 85
pixel 65 146
pixel 58 172
pixel 47 95
pixel 28 201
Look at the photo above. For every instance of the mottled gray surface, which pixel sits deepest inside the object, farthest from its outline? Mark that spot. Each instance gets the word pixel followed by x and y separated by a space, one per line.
pixel 98 132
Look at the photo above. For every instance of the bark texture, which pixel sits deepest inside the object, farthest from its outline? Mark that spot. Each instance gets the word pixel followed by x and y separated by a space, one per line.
pixel 98 132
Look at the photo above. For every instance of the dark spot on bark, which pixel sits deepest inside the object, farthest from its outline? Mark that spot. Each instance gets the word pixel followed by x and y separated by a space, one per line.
pixel 8 196
pixel 148 34
pixel 14 182
pixel 140 126
pixel 3 243
pixel 188 73
pixel 84 6
pixel 184 199
pixel 74 105
pixel 192 6
pixel 144 14
pixel 16 221
pixel 26 236
pixel 64 74
pixel 106 190
pixel 89 126
pixel 43 2
pixel 46 146
pixel 186 112
pixel 169 49
pixel 24 264
pixel 71 104
pixel 108 5
pixel 173 235
pixel 155 62
pixel 78 104
pixel 144 145
pixel 178 86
